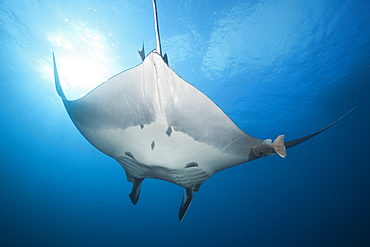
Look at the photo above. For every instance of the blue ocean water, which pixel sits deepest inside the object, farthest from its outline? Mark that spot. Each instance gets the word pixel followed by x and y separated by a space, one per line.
pixel 275 67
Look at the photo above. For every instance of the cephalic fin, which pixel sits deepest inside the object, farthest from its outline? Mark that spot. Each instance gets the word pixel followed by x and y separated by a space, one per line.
pixel 186 200
pixel 135 193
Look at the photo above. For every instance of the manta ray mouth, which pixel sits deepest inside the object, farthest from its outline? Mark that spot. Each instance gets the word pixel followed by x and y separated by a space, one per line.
pixel 187 177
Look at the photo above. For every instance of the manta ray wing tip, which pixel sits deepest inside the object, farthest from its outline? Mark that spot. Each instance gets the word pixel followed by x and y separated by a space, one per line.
pixel 57 81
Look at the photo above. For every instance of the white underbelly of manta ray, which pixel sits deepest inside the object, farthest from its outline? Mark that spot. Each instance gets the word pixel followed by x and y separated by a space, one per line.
pixel 156 125
pixel 152 146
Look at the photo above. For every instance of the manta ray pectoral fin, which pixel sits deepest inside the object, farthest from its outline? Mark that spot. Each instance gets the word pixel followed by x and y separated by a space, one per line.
pixel 270 148
pixel 186 200
pixel 142 53
pixel 278 146
pixel 135 193
pixel 57 82
pixel 293 143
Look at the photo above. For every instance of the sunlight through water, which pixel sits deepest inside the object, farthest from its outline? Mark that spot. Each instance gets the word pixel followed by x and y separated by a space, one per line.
pixel 81 58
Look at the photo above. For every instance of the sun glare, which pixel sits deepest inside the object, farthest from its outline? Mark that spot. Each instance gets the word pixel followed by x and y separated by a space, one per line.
pixel 79 76
pixel 82 59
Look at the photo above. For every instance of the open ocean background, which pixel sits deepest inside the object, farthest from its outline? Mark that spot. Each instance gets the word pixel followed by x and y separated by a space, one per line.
pixel 274 66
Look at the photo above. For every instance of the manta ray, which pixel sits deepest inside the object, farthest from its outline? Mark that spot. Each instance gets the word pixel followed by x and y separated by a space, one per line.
pixel 157 125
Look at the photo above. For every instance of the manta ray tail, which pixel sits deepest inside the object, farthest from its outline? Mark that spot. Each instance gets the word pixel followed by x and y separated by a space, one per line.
pixel 186 200
pixel 158 40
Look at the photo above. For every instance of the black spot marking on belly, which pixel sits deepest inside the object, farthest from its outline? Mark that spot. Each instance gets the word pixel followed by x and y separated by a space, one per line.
pixel 142 126
pixel 129 155
pixel 191 164
pixel 169 131
pixel 153 144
